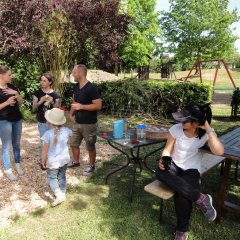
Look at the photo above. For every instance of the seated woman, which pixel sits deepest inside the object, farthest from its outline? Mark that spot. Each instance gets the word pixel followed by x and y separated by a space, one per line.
pixel 183 143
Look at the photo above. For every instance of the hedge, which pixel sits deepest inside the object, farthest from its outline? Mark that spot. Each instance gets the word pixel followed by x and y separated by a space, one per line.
pixel 156 98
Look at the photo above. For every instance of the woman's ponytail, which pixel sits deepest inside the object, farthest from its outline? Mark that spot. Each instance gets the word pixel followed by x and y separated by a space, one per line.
pixel 208 112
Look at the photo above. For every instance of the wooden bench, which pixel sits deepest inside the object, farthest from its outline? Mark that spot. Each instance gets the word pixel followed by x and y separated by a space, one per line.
pixel 162 191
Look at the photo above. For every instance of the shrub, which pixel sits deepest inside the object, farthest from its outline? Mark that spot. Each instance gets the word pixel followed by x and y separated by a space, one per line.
pixel 123 96
pixel 156 98
pixel 26 75
pixel 67 95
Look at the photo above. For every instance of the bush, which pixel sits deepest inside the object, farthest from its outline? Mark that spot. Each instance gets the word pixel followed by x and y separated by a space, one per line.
pixel 155 98
pixel 123 96
pixel 26 75
pixel 67 95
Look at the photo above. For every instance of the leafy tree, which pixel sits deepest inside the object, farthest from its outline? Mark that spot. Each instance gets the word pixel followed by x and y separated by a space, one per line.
pixel 234 59
pixel 95 29
pixel 143 31
pixel 199 29
pixel 18 19
pixel 101 28
pixel 57 43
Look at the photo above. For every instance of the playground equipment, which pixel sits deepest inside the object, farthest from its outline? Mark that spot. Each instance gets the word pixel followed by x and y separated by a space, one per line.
pixel 198 65
pixel 143 71
pixel 222 102
pixel 166 66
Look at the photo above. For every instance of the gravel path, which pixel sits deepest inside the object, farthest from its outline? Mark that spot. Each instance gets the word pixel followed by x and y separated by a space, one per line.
pixel 31 192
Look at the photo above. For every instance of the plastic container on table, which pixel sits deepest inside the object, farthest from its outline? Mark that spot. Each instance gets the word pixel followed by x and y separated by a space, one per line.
pixel 118 129
pixel 141 132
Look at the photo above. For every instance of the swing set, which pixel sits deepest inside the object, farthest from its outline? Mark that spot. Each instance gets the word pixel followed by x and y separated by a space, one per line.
pixel 198 66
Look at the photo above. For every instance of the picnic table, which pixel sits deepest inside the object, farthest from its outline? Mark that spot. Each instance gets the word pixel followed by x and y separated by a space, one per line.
pixel 231 141
pixel 132 152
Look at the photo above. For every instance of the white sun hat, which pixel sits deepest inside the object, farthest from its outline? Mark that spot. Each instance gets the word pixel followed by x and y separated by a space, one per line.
pixel 55 116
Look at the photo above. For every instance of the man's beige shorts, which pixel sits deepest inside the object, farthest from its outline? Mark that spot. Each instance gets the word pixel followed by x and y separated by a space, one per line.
pixel 88 132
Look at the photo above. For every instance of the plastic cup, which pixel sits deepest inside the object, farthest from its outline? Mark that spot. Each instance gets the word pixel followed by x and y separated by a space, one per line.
pixel 127 136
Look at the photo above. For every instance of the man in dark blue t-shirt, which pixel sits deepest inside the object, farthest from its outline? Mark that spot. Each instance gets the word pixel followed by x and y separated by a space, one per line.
pixel 83 115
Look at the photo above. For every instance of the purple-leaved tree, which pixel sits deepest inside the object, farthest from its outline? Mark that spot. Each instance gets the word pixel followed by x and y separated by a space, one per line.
pixel 97 28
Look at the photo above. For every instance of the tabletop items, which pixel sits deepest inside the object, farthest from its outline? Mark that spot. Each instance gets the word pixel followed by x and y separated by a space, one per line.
pixel 118 129
pixel 157 132
pixel 130 147
pixel 137 134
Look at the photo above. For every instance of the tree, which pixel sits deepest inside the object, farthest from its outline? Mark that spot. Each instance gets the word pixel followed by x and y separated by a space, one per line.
pixel 18 19
pixel 57 41
pixel 101 28
pixel 234 59
pixel 143 32
pixel 199 29
pixel 96 29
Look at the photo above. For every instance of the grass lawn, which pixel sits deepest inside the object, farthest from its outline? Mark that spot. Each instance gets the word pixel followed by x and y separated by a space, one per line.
pixel 223 80
pixel 95 211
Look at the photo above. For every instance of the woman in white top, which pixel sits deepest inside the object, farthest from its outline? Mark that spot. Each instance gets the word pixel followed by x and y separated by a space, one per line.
pixel 55 153
pixel 185 138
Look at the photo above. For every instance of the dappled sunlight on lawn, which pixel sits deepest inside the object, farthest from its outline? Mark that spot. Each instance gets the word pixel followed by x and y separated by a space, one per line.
pixel 31 190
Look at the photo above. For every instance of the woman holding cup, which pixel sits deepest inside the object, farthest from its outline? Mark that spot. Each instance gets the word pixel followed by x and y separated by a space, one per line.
pixel 184 161
pixel 44 99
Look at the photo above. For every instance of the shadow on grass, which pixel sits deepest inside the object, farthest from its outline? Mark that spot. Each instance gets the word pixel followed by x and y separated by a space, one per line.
pixel 126 220
pixel 139 219
pixel 77 204
pixel 40 212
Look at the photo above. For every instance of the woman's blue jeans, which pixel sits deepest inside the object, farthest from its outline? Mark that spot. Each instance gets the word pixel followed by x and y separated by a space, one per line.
pixel 57 179
pixel 42 127
pixel 10 134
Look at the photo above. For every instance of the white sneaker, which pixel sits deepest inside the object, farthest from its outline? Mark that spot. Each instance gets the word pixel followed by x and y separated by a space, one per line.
pixel 60 197
pixel 19 169
pixel 10 175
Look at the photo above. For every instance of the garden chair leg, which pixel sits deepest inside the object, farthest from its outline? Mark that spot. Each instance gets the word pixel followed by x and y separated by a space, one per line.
pixel 221 170
pixel 161 210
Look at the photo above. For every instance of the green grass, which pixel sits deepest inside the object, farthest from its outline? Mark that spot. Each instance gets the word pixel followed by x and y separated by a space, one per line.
pixel 223 80
pixel 221 111
pixel 94 210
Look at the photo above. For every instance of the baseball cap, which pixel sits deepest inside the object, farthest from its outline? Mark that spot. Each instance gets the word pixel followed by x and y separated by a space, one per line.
pixel 183 116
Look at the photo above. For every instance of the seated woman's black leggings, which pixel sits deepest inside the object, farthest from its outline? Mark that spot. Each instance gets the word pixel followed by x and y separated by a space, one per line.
pixel 186 185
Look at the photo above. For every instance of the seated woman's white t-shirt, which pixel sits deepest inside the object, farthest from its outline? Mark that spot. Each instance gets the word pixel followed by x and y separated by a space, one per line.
pixel 185 152
pixel 58 154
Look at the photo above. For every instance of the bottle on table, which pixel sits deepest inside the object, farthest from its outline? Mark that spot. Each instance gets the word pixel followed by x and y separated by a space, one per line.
pixel 141 132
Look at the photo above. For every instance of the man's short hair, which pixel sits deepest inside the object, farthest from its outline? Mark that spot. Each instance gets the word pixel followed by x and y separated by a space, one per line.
pixel 82 67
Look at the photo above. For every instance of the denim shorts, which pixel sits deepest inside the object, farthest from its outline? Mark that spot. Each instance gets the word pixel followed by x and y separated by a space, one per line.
pixel 88 132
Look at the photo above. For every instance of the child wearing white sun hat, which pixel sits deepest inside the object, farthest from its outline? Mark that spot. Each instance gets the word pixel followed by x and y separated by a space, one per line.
pixel 55 153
